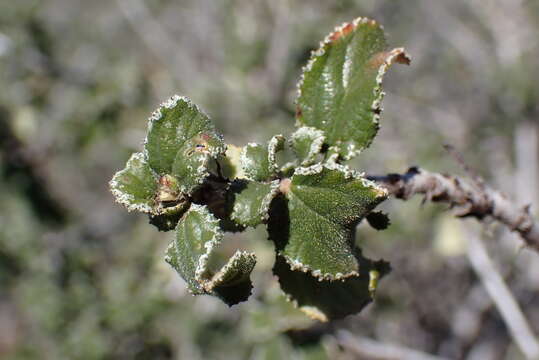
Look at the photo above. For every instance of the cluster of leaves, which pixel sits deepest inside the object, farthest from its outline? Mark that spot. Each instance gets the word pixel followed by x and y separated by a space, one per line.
pixel 188 180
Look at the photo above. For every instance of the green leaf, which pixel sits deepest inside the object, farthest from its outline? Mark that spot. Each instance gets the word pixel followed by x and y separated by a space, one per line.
pixel 168 218
pixel 191 165
pixel 232 283
pixel 259 162
pixel 191 253
pixel 231 164
pixel 197 235
pixel 254 162
pixel 252 201
pixel 307 142
pixel 275 145
pixel 313 224
pixel 341 88
pixel 177 156
pixel 180 139
pixel 326 300
pixel 136 185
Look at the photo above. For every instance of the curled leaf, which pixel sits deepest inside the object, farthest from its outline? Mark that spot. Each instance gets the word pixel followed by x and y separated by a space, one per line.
pixel 251 201
pixel 259 162
pixel 169 217
pixel 197 238
pixel 307 143
pixel 232 283
pixel 341 88
pixel 136 185
pixel 178 150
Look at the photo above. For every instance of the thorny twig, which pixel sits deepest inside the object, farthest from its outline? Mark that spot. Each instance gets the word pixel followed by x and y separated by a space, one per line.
pixel 468 199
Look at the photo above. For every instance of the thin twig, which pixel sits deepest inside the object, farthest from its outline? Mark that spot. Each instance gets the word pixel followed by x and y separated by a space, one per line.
pixel 460 160
pixel 465 197
pixel 503 298
pixel 371 349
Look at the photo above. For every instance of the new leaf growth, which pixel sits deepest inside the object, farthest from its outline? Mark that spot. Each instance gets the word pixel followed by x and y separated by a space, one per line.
pixel 189 181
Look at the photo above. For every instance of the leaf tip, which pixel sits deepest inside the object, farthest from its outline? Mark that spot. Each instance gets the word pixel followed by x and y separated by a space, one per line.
pixel 314 313
pixel 348 27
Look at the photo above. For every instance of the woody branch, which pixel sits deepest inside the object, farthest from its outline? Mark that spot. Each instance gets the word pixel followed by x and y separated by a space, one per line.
pixel 468 198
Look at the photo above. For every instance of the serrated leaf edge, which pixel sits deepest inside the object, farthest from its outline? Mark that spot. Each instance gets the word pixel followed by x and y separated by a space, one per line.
pixel 202 173
pixel 169 249
pixel 209 245
pixel 244 160
pixel 346 170
pixel 297 265
pixel 266 202
pixel 395 55
pixel 208 284
pixel 263 210
pixel 123 198
pixel 330 38
pixel 236 259
pixel 318 137
pixel 233 154
pixel 170 104
pixel 157 114
pixel 349 173
pixel 274 145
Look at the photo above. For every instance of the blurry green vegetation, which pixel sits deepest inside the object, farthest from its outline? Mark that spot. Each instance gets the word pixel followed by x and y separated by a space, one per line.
pixel 82 279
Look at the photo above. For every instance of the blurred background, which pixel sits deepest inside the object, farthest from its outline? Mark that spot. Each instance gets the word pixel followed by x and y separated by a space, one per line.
pixel 80 278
